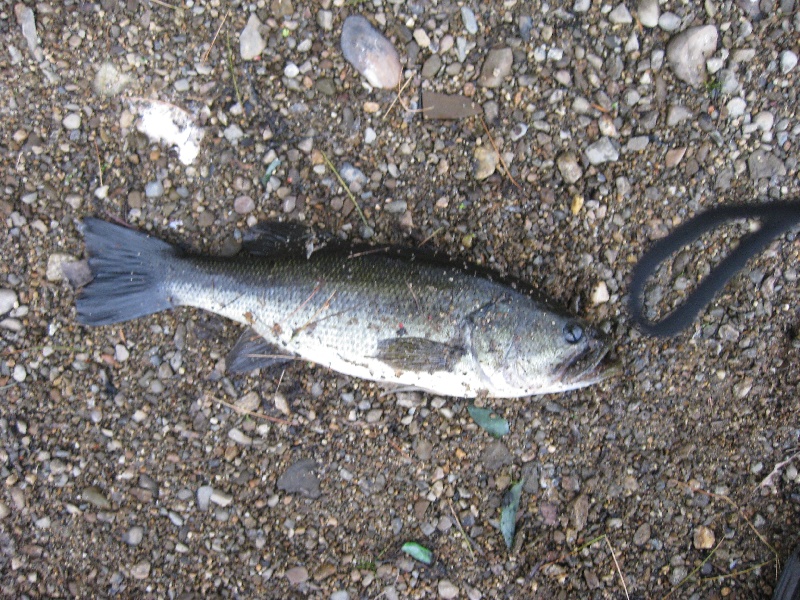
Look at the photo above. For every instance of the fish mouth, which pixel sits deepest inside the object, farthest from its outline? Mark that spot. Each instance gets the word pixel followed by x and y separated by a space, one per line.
pixel 592 365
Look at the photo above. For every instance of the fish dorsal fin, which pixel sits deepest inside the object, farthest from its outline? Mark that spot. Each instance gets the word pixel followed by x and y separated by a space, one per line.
pixel 252 351
pixel 273 237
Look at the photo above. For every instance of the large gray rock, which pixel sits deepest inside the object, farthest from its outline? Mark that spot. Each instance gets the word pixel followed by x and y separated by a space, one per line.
pixel 687 53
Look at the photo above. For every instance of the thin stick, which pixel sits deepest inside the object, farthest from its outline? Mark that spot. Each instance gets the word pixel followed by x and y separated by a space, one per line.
pixel 616 564
pixel 462 532
pixel 396 99
pixel 99 165
pixel 768 480
pixel 736 573
pixel 696 569
pixel 313 318
pixel 165 5
pixel 205 56
pixel 280 381
pixel 413 295
pixel 346 189
pixel 430 237
pixel 737 509
pixel 252 413
pixel 313 293
pixel 500 156
pixel 233 73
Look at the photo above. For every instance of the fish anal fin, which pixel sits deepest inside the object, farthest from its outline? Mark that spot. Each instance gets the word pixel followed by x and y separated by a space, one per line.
pixel 252 351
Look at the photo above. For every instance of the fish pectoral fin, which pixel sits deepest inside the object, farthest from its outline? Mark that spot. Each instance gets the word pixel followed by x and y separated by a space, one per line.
pixel 252 351
pixel 418 354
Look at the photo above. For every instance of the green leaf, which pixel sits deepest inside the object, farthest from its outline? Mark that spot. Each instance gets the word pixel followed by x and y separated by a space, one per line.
pixel 488 421
pixel 508 516
pixel 421 553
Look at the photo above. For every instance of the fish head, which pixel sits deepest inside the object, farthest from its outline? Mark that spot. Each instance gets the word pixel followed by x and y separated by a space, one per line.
pixel 529 351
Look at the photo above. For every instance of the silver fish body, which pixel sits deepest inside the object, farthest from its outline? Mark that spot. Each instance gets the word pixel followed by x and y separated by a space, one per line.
pixel 382 314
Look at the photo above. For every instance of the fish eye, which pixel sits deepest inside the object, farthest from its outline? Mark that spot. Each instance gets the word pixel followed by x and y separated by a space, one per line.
pixel 573 332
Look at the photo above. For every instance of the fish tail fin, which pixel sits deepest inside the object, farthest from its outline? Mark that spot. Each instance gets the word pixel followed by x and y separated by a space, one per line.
pixel 129 273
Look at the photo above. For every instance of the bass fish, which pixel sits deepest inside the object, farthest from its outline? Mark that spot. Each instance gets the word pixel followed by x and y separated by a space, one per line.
pixel 387 314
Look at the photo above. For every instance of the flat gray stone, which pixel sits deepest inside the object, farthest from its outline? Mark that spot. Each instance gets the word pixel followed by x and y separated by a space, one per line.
pixel 765 165
pixel 602 151
pixel 496 67
pixel 300 478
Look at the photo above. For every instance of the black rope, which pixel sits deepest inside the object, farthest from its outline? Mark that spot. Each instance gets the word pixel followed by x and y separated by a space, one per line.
pixel 776 218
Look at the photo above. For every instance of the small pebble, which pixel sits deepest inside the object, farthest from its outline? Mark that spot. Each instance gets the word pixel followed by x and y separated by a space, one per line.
pixel 447 590
pixel 340 595
pixel 154 189
pixel 297 575
pixel 470 22
pixel 71 121
pixel 519 131
pixel 703 538
pixel 620 15
pixel 600 294
pixel 221 498
pixel 133 536
pixel 8 300
pixel 788 61
pixel 674 156
pixel 736 107
pixel 649 13
pixel 669 22
pixel 602 151
pixel 141 570
pixel 233 133
pixel 204 493
pixel 109 81
pixel 300 478
pixel 244 205
pixel 569 167
pixel 240 437
pixel 19 374
pixel 55 264
pixel 94 496
pixel 642 535
pixel 496 67
pixel 291 70
pixel 325 19
pixel 485 162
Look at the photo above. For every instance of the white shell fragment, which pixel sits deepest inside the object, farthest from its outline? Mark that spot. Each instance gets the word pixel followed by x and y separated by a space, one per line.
pixel 167 123
pixel 370 53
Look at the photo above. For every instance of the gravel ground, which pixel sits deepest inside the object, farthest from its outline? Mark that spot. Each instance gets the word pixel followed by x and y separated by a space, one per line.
pixel 128 465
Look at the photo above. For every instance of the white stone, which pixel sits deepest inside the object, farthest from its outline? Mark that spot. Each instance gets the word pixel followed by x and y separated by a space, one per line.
pixel 251 44
pixel 20 374
pixel 8 300
pixel 788 61
pixel 649 13
pixel 620 15
pixel 71 121
pixel 736 107
pixel 600 293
